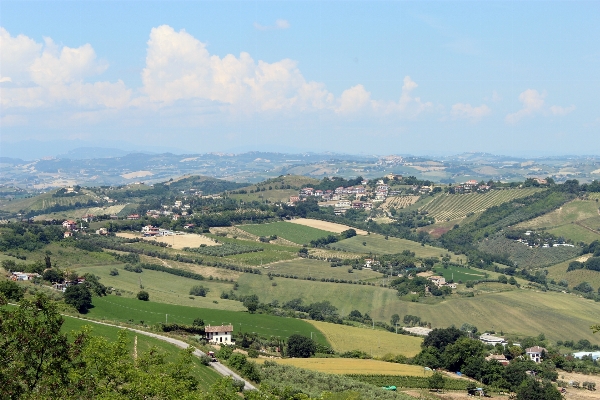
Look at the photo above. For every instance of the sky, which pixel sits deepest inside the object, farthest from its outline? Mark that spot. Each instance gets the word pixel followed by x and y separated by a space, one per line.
pixel 390 77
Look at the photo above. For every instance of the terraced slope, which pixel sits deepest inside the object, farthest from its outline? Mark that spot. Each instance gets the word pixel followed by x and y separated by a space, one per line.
pixel 455 206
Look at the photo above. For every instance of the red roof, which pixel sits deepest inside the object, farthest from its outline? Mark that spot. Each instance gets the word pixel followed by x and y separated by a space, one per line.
pixel 220 328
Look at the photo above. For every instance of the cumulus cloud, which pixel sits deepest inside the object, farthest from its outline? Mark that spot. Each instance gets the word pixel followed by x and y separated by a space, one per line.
pixel 279 24
pixel 534 103
pixel 467 111
pixel 47 74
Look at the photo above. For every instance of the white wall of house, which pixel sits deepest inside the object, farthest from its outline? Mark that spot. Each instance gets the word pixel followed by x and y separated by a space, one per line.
pixel 220 337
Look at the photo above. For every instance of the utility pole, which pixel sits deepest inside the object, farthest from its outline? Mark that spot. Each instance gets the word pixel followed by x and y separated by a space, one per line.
pixel 166 318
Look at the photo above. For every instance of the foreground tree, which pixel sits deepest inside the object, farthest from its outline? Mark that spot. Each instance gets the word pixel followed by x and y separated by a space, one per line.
pixel 532 389
pixel 300 346
pixel 80 297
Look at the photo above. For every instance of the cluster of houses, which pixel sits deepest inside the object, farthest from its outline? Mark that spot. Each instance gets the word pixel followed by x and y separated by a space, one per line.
pixel 470 187
pixel 153 231
pixel 545 244
pixel 23 276
pixel 440 282
pixel 534 353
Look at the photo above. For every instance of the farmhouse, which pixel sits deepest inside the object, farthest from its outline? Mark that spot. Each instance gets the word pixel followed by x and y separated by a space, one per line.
pixel 219 334
pixel 150 230
pixel 493 340
pixel 67 234
pixel 133 217
pixel 498 357
pixel 437 280
pixel 70 225
pixel 535 353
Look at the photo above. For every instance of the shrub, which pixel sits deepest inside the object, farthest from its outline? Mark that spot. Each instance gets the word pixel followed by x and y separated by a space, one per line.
pixel 199 290
pixel 11 290
pixel 143 295
pixel 114 272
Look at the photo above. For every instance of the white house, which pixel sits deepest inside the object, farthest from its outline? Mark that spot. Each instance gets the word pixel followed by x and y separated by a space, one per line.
pixel 535 353
pixel 219 334
pixel 493 340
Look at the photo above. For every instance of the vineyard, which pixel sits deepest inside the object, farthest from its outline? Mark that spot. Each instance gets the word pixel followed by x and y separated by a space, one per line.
pixel 399 202
pixel 455 206
pixel 412 382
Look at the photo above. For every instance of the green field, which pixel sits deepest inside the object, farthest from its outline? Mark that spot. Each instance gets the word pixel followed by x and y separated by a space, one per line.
pixel 460 274
pixel 115 308
pixel 454 206
pixel 559 272
pixel 165 288
pixel 293 232
pixel 46 200
pixel 578 233
pixel 346 297
pixel 206 376
pixel 303 267
pixel 377 244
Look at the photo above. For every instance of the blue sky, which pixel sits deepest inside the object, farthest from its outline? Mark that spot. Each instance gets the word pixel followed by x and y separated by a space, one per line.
pixel 440 77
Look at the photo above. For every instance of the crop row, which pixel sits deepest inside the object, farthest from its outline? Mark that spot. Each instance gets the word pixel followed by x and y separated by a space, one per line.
pixel 453 206
pixel 413 382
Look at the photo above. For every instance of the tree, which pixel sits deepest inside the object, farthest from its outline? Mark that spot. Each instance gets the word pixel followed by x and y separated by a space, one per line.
pixel 300 346
pixel 512 280
pixel 80 297
pixel 198 322
pixel 198 290
pixel 436 381
pixel 503 279
pixel 441 337
pixel 143 295
pixel 395 319
pixel 11 290
pixel 53 275
pixel 531 389
pixel 251 303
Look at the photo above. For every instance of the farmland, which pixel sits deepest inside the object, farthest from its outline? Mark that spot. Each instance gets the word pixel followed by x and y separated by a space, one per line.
pixel 528 257
pixel 325 225
pixel 375 343
pixel 460 274
pixel 344 366
pixel 399 202
pixel 293 232
pixel 176 241
pixel 206 376
pixel 377 244
pixel 454 206
pixel 559 272
pixel 320 269
pixel 46 200
pixel 115 308
pixel 165 288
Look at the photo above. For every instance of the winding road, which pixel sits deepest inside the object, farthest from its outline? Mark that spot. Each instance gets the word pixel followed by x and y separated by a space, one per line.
pixel 220 368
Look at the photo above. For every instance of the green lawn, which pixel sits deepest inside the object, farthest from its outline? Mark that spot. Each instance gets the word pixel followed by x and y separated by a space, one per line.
pixel 205 375
pixel 460 274
pixel 303 267
pixel 165 288
pixel 377 244
pixel 114 308
pixel 293 232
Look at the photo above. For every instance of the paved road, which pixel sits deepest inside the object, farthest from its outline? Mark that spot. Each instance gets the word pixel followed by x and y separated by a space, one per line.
pixel 220 368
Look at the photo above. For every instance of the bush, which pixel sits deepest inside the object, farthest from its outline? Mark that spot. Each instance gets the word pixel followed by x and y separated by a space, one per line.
pixel 199 290
pixel 114 272
pixel 143 295
pixel 300 346
pixel 11 290
pixel 253 353
pixel 80 297
pixel 133 268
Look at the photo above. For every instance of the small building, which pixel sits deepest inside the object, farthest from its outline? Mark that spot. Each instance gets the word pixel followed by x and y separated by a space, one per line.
pixel 69 224
pixel 294 199
pixel 535 353
pixel 133 217
pixel 87 218
pixel 150 230
pixel 491 339
pixel 437 280
pixel 102 231
pixel 498 357
pixel 220 334
pixel 68 234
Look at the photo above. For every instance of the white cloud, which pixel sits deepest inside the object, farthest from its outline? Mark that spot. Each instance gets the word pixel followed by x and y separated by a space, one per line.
pixel 533 103
pixel 561 111
pixel 279 24
pixel 467 111
pixel 353 100
pixel 46 74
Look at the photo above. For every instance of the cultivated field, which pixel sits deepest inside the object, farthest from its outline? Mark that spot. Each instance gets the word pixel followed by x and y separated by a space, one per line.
pixel 115 308
pixel 46 200
pixel 293 232
pixel 78 213
pixel 573 211
pixel 320 269
pixel 559 272
pixel 460 274
pixel 399 202
pixel 343 366
pixel 191 240
pixel 454 206
pixel 325 226
pixel 206 376
pixel 374 342
pixel 165 288
pixel 377 244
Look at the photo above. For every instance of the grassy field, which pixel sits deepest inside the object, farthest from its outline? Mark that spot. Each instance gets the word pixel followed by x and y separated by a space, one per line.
pixel 206 376
pixel 115 308
pixel 78 213
pixel 460 274
pixel 521 312
pixel 344 366
pixel 273 196
pixel 69 257
pixel 377 244
pixel 377 343
pixel 454 206
pixel 325 225
pixel 577 232
pixel 320 269
pixel 46 200
pixel 573 211
pixel 165 288
pixel 559 272
pixel 346 297
pixel 293 232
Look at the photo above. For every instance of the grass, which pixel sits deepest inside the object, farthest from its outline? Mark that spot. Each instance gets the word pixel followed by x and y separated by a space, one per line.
pixel 206 376
pixel 377 244
pixel 293 232
pixel 376 343
pixel 342 366
pixel 578 233
pixel 303 267
pixel 559 272
pixel 115 308
pixel 460 273
pixel 46 200
pixel 66 256
pixel 346 297
pixel 572 211
pixel 165 288
pixel 454 206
